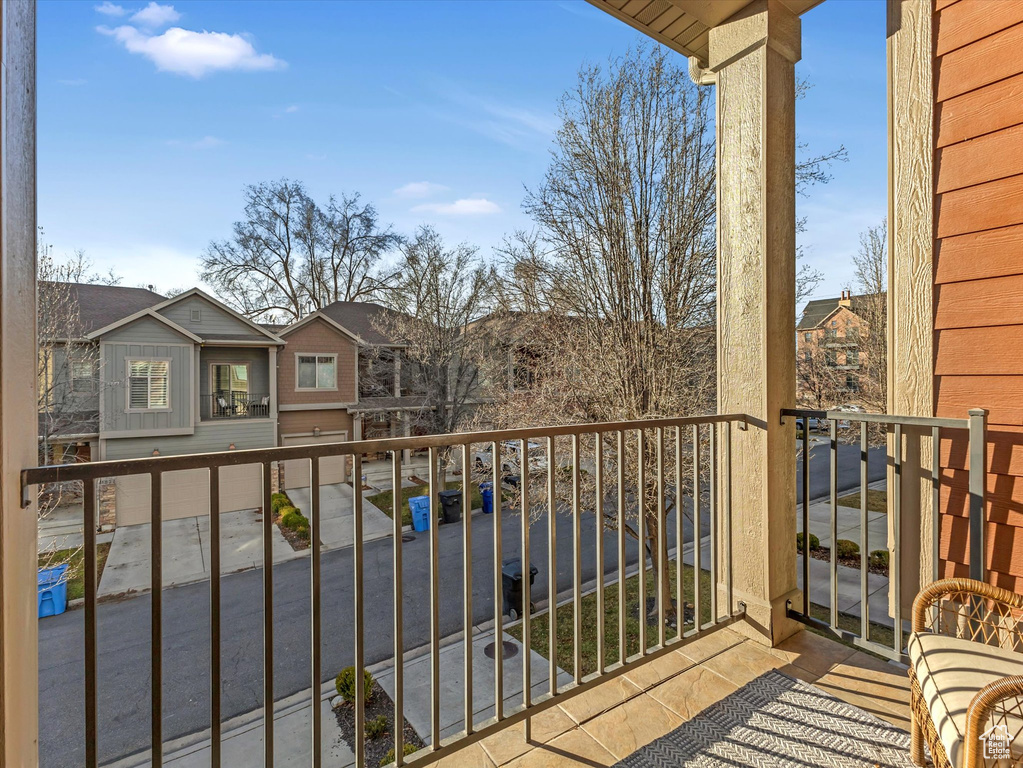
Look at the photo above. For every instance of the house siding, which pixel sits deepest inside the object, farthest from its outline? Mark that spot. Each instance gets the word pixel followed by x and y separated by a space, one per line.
pixel 978 278
pixel 214 320
pixel 213 437
pixel 304 422
pixel 317 336
pixel 114 416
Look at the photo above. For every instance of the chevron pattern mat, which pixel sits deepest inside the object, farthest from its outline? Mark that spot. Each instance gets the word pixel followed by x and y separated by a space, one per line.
pixel 778 721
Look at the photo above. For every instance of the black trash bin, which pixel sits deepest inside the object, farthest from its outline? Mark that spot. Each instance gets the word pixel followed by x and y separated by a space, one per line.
pixel 451 505
pixel 511 571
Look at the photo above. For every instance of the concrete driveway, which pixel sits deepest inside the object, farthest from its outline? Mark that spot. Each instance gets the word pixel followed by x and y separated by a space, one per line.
pixel 186 551
pixel 337 515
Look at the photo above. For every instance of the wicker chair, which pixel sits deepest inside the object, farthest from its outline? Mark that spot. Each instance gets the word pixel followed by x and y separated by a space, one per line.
pixel 966 674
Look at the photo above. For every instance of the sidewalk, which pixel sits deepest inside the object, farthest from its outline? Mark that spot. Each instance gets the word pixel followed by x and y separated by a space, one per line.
pixel 242 741
pixel 61 528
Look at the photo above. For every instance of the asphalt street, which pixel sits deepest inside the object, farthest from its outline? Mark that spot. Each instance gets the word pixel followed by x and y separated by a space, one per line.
pixel 124 626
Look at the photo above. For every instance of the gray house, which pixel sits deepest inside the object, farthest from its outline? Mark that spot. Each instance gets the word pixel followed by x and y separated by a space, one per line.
pixel 184 375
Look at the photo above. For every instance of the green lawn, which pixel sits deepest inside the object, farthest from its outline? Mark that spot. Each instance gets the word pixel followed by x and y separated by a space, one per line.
pixel 877 500
pixel 385 499
pixel 75 559
pixel 539 626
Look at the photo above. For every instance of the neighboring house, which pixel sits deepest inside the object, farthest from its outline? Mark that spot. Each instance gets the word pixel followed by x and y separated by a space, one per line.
pixel 185 375
pixel 834 329
pixel 69 363
pixel 339 379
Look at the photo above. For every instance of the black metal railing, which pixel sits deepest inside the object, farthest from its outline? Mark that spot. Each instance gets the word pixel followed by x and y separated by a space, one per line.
pixel 890 430
pixel 236 405
pixel 632 473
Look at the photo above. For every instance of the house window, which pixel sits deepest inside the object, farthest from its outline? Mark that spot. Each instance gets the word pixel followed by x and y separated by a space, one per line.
pixel 807 336
pixel 148 385
pixel 82 377
pixel 317 372
pixel 195 315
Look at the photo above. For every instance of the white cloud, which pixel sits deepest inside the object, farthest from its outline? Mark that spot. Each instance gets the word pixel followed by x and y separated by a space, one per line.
pixel 206 142
pixel 186 52
pixel 155 15
pixel 465 207
pixel 417 190
pixel 109 9
pixel 292 108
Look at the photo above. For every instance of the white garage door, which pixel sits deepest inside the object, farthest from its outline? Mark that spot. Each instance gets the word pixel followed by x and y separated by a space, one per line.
pixel 332 468
pixel 186 493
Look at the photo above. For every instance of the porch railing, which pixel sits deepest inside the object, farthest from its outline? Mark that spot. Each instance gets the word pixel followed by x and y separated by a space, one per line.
pixel 635 473
pixel 237 405
pixel 889 429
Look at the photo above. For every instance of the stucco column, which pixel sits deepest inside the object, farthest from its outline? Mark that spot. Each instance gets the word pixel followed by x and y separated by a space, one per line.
pixel 19 670
pixel 752 58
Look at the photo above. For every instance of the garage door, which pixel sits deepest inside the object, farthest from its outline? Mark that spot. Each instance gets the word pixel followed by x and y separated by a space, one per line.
pixel 186 493
pixel 332 468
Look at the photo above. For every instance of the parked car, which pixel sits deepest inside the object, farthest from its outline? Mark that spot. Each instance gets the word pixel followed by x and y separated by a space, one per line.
pixel 816 425
pixel 511 459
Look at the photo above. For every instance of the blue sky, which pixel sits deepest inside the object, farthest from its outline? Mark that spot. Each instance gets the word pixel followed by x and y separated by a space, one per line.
pixel 153 117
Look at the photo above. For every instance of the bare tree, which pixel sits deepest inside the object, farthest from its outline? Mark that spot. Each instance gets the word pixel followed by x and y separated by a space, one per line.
pixel 435 300
pixel 288 253
pixel 871 271
pixel 820 386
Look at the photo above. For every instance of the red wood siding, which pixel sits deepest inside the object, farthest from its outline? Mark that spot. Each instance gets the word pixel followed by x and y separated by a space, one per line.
pixel 978 318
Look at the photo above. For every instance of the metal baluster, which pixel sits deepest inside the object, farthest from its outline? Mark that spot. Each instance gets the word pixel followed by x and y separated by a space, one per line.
pixel 833 559
pixel 978 462
pixel 552 573
pixel 662 544
pixel 314 588
pixel 641 538
pixel 215 673
pixel 680 601
pixel 806 517
pixel 864 477
pixel 598 457
pixel 936 502
pixel 728 515
pixel 715 577
pixel 622 649
pixel 577 593
pixel 526 587
pixel 498 588
pixel 467 622
pixel 434 608
pixel 360 693
pixel 156 616
pixel 896 555
pixel 399 627
pixel 89 504
pixel 697 534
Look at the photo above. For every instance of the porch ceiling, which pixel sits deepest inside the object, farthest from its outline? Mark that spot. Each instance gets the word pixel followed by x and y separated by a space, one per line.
pixel 682 25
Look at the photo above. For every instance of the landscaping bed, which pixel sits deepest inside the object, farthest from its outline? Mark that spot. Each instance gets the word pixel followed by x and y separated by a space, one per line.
pixel 294 526
pixel 874 565
pixel 379 705
pixel 877 501
pixel 75 558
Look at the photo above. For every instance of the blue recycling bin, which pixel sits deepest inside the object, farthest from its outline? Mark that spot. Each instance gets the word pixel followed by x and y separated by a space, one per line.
pixel 487 494
pixel 420 508
pixel 52 590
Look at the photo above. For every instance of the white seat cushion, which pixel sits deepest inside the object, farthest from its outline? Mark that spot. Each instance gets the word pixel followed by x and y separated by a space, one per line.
pixel 951 671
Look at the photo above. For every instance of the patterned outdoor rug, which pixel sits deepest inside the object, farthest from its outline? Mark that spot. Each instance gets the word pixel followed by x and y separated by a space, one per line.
pixel 778 721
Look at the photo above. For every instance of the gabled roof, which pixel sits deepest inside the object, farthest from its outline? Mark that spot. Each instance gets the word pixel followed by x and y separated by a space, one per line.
pixel 819 310
pixel 362 318
pixel 101 305
pixel 151 312
pixel 220 305
pixel 318 315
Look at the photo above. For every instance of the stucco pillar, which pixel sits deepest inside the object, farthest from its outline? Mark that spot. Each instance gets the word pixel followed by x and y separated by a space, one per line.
pixel 752 58
pixel 19 669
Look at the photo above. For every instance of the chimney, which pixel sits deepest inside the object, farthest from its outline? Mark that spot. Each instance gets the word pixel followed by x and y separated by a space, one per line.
pixel 846 299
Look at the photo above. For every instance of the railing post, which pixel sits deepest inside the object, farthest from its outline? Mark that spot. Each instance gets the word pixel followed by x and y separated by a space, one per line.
pixel 978 473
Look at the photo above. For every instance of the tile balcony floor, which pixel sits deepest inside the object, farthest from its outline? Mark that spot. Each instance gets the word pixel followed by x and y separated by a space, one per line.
pixel 608 723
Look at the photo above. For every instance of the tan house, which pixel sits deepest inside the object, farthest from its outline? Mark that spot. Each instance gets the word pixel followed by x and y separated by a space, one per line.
pixel 833 329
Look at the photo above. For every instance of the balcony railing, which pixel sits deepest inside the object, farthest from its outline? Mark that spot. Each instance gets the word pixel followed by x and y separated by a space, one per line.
pixel 926 432
pixel 236 405
pixel 632 474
